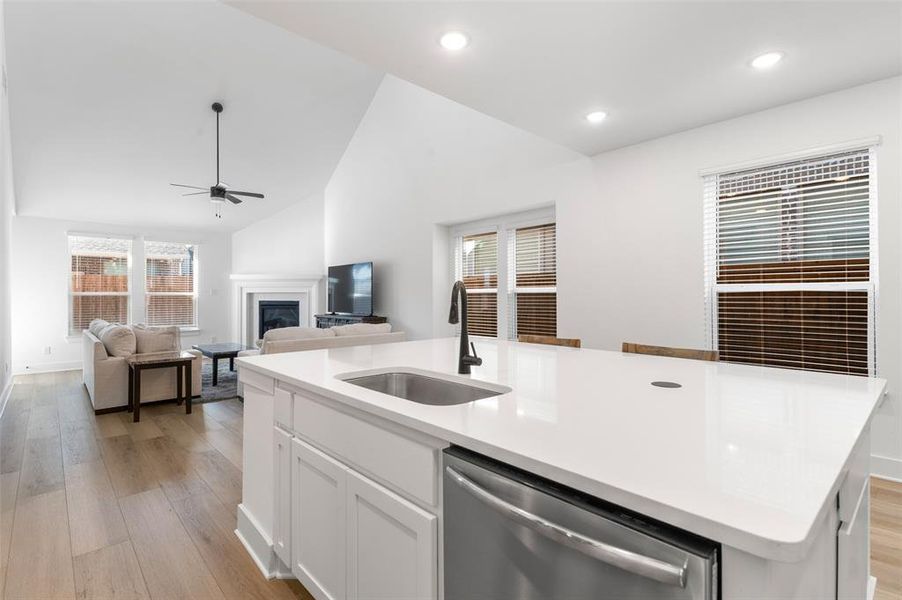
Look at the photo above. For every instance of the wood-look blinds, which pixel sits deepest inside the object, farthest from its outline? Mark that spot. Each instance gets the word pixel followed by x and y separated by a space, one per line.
pixel 532 262
pixel 98 280
pixel 477 267
pixel 791 257
pixel 170 283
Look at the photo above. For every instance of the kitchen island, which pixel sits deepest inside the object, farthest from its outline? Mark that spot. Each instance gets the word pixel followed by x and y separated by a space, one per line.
pixel 770 464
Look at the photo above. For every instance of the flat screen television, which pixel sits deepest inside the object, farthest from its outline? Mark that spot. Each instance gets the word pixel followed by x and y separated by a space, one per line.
pixel 351 289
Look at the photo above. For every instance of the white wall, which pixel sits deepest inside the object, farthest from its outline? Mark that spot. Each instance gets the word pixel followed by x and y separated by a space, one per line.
pixel 630 254
pixel 111 102
pixel 630 261
pixel 417 162
pixel 40 271
pixel 6 210
pixel 288 243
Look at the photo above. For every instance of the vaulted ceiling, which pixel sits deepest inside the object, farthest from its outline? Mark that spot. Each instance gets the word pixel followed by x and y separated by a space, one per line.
pixel 110 102
pixel 655 67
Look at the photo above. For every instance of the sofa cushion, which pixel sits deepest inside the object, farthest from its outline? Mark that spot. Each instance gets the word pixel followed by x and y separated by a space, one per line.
pixel 362 329
pixel 96 326
pixel 296 333
pixel 119 340
pixel 156 339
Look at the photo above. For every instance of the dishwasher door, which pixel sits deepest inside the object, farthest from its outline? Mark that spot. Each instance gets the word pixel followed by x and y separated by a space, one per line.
pixel 512 535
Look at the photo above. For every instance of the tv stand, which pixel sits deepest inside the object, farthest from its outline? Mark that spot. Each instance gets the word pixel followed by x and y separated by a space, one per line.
pixel 331 320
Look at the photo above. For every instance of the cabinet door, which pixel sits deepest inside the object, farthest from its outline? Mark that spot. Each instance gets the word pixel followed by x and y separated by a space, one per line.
pixel 281 526
pixel 392 545
pixel 852 550
pixel 319 496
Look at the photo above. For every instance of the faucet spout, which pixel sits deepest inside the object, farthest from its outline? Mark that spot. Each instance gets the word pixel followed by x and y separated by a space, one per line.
pixel 466 360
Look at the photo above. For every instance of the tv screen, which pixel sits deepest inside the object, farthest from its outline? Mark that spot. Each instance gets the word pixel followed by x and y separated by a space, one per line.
pixel 351 289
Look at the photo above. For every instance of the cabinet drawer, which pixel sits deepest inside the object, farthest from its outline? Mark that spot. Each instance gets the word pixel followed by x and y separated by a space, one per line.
pixel 282 408
pixel 382 451
pixel 252 378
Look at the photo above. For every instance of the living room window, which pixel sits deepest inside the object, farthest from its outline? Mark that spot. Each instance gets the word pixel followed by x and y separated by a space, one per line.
pixel 791 255
pixel 509 266
pixel 98 280
pixel 170 270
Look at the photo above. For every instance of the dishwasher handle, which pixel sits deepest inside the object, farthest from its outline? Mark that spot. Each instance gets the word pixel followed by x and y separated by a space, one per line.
pixel 638 564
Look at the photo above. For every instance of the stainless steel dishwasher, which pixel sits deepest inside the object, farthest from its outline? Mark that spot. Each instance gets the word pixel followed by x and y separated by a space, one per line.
pixel 510 535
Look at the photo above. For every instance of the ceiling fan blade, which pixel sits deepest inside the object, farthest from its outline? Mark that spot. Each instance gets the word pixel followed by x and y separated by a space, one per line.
pixel 196 187
pixel 233 199
pixel 251 194
pixel 196 193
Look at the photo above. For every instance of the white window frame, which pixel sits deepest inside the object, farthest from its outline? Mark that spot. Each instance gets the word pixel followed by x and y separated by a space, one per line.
pixel 713 289
pixel 75 333
pixel 194 326
pixel 505 227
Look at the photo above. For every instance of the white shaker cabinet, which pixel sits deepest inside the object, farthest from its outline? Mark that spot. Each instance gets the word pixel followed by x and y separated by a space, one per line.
pixel 281 534
pixel 392 545
pixel 319 500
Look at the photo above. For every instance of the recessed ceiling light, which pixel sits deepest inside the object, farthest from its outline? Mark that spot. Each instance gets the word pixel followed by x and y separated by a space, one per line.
pixel 596 117
pixel 454 40
pixel 766 61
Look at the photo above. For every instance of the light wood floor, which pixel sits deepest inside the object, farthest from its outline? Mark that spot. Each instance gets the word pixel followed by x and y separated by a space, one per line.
pixel 100 507
pixel 886 538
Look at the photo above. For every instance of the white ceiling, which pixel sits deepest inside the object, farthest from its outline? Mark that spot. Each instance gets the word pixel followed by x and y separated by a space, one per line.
pixel 655 67
pixel 110 102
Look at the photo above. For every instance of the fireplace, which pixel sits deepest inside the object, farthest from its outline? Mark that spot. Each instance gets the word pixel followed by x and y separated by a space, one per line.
pixel 275 314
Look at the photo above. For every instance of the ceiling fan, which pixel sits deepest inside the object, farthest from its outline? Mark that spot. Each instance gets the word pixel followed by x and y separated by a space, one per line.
pixel 219 193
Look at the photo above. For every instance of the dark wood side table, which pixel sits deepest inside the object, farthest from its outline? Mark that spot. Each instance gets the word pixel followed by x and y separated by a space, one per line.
pixel 159 360
pixel 217 351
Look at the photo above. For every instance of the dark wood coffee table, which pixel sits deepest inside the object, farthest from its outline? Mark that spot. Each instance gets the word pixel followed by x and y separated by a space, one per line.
pixel 181 360
pixel 218 351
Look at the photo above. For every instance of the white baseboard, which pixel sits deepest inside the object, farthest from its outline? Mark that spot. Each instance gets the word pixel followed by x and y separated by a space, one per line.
pixel 886 467
pixel 259 546
pixel 5 393
pixel 872 587
pixel 51 367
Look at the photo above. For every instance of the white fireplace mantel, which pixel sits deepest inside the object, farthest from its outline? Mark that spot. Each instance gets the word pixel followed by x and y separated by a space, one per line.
pixel 245 286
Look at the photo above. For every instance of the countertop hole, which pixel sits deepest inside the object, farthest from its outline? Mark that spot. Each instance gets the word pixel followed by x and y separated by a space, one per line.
pixel 666 384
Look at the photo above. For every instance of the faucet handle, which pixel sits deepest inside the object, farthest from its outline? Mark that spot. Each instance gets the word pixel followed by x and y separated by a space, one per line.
pixel 475 360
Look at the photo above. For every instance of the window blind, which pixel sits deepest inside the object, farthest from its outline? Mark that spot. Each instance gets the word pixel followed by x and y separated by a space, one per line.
pixel 98 280
pixel 477 266
pixel 532 263
pixel 170 283
pixel 790 255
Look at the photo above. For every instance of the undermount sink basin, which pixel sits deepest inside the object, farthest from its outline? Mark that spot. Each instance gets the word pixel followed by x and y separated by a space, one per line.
pixel 424 389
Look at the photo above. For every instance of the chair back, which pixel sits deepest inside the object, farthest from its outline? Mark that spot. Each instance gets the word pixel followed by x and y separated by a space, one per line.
pixel 633 348
pixel 549 340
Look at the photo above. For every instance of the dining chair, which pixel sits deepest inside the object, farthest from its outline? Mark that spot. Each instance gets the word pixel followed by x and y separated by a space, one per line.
pixel 634 348
pixel 549 340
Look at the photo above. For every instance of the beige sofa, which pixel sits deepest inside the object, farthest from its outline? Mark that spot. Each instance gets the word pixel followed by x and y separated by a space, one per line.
pixel 106 348
pixel 297 339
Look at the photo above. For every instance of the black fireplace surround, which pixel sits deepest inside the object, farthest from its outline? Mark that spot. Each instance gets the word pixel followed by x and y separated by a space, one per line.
pixel 275 314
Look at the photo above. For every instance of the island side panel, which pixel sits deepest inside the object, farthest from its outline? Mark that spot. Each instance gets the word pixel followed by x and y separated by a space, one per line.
pixel 255 513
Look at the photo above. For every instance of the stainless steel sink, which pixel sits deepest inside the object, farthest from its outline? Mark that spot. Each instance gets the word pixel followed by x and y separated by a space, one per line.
pixel 424 389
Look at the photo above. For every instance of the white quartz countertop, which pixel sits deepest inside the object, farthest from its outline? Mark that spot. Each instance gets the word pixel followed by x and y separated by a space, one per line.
pixel 748 456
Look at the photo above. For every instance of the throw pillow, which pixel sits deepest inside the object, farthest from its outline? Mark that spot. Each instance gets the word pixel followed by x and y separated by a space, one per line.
pixel 118 340
pixel 362 329
pixel 96 326
pixel 156 339
pixel 296 333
